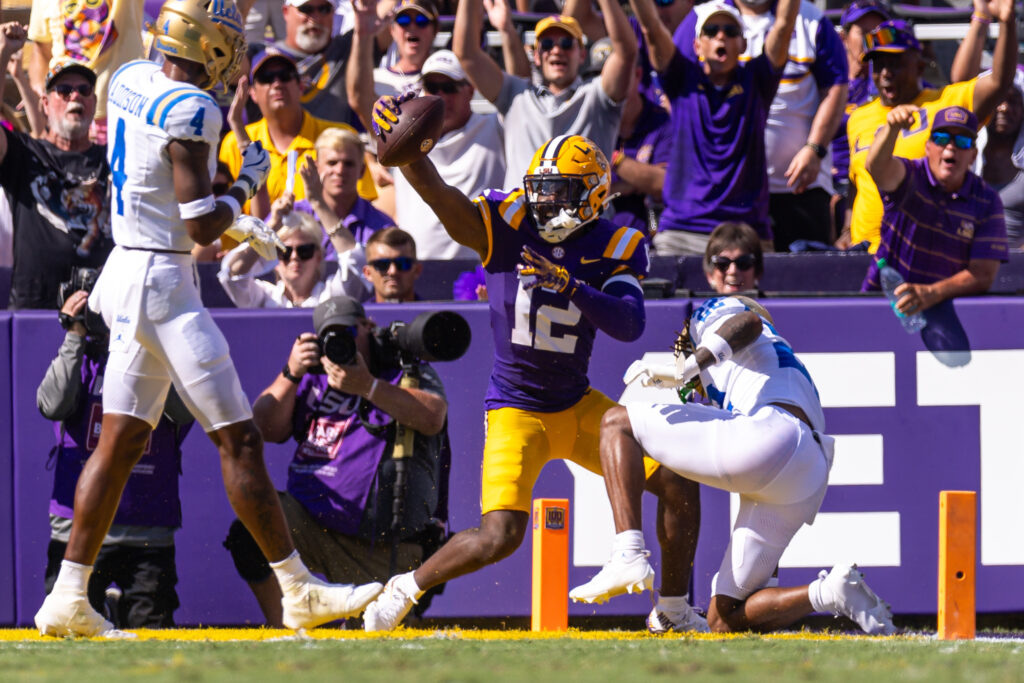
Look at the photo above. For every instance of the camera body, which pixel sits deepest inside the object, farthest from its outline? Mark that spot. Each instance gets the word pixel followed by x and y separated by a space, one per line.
pixel 82 279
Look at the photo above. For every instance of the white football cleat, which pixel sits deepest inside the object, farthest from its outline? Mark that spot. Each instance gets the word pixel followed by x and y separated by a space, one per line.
pixel 65 613
pixel 387 611
pixel 853 598
pixel 615 578
pixel 316 602
pixel 658 622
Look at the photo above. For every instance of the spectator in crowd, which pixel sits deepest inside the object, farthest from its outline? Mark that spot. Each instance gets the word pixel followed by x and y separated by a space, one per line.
pixel 539 404
pixel 1003 162
pixel 763 440
pixel 859 18
pixel 562 103
pixel 469 155
pixel 897 68
pixel 734 260
pixel 341 480
pixel 57 185
pixel 319 55
pixel 718 170
pixel 332 195
pixel 138 552
pixel 639 160
pixel 103 36
pixel 262 17
pixel 802 120
pixel 285 127
pixel 300 271
pixel 943 226
pixel 391 266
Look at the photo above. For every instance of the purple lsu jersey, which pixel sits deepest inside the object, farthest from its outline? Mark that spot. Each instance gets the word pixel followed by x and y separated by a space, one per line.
pixel 542 342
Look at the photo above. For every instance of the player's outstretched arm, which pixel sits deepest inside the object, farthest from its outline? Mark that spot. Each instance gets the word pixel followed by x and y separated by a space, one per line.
pixel 458 215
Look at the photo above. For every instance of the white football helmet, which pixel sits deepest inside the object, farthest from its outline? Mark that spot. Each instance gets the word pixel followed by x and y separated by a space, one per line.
pixel 209 32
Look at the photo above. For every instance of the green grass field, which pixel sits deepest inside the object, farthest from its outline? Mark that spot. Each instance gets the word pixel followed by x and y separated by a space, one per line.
pixel 491 656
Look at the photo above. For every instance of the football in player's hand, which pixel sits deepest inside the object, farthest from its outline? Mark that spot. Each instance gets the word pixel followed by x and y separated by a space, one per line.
pixel 414 133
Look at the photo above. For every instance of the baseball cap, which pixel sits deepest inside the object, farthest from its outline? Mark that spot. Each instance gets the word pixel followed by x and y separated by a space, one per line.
pixel 892 36
pixel 300 3
pixel 956 118
pixel 443 62
pixel 341 311
pixel 270 53
pixel 709 9
pixel 424 7
pixel 567 24
pixel 860 8
pixel 598 55
pixel 65 65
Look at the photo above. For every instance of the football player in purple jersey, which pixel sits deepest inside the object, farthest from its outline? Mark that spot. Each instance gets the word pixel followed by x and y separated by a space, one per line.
pixel 556 273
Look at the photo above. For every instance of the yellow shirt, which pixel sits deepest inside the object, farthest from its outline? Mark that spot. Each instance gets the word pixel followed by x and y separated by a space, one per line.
pixel 865 121
pixel 277 178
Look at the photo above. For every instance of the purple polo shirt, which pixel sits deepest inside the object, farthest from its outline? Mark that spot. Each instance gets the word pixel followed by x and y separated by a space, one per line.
pixel 929 234
pixel 363 221
pixel 717 171
pixel 650 143
pixel 862 90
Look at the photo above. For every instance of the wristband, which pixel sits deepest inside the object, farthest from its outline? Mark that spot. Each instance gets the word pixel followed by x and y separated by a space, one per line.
pixel 719 348
pixel 617 157
pixel 819 150
pixel 231 203
pixel 287 374
pixel 373 388
pixel 981 18
pixel 199 207
pixel 337 226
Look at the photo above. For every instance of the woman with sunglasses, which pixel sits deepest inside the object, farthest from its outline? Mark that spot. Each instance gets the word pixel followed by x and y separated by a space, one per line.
pixel 733 260
pixel 299 271
pixel 942 227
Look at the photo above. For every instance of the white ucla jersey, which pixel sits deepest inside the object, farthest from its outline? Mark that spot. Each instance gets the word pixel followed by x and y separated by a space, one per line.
pixel 766 371
pixel 796 102
pixel 145 111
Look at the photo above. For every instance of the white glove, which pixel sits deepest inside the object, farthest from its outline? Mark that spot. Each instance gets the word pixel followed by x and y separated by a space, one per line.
pixel 653 375
pixel 254 232
pixel 255 167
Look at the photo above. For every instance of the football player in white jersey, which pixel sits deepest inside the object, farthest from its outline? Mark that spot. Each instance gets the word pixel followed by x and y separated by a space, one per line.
pixel 164 129
pixel 765 443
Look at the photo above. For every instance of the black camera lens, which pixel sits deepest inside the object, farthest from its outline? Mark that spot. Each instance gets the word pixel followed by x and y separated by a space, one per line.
pixel 339 345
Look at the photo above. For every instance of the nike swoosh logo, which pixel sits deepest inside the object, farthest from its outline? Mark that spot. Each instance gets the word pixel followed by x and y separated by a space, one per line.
pixel 584 261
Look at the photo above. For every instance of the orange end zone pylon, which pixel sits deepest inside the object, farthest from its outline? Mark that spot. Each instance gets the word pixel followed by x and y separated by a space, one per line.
pixel 957 524
pixel 550 565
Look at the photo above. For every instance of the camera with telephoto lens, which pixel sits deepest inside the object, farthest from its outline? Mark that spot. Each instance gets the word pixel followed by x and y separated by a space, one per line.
pixel 82 279
pixel 431 337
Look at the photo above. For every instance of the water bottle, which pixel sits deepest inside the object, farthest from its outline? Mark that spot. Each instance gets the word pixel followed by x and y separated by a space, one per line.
pixel 890 279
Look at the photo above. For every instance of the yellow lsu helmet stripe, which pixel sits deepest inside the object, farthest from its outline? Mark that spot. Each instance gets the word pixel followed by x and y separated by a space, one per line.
pixel 623 243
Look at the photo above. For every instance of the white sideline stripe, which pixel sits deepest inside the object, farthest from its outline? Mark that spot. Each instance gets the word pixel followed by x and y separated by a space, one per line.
pixel 858 460
pixel 871 539
pixel 853 380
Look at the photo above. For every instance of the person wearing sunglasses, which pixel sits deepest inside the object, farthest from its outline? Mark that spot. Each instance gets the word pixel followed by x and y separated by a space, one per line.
pixel 285 127
pixel 897 67
pixel 391 266
pixel 57 185
pixel 341 476
pixel 943 227
pixel 470 154
pixel 562 102
pixel 734 259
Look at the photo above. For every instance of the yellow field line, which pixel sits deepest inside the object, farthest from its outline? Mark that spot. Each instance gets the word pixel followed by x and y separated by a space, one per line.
pixel 267 634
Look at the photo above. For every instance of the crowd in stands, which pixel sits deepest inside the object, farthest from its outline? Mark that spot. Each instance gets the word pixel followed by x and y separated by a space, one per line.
pixel 727 111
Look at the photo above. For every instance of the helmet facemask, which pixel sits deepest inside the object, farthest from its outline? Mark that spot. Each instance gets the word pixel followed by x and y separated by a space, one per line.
pixel 566 186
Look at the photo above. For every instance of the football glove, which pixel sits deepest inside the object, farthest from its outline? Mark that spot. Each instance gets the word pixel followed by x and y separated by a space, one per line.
pixel 662 375
pixel 385 113
pixel 254 232
pixel 537 271
pixel 255 167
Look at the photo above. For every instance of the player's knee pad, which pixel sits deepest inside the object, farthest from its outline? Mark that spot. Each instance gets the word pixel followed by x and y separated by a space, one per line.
pixel 749 566
pixel 247 556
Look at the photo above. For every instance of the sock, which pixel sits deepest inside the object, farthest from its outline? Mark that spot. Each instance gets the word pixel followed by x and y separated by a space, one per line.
pixel 673 605
pixel 628 544
pixel 73 577
pixel 291 572
pixel 819 601
pixel 407 583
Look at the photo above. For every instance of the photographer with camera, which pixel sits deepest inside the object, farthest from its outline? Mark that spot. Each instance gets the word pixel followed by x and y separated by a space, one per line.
pixel 138 552
pixel 369 417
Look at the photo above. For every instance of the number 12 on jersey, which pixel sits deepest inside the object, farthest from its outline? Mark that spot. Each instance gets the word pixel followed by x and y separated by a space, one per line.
pixel 533 327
